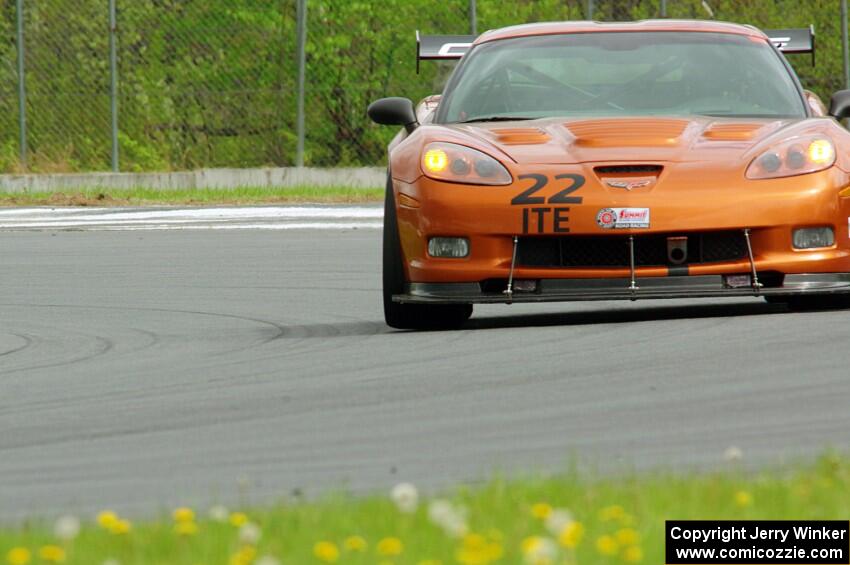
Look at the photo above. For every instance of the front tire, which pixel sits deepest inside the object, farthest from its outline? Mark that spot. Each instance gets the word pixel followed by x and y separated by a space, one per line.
pixel 410 316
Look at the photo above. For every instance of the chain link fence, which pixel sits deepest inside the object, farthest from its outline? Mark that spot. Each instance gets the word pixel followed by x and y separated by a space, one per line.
pixel 214 83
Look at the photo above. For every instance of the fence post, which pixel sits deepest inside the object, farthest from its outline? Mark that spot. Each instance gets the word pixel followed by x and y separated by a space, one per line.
pixel 844 47
pixel 22 90
pixel 663 8
pixel 473 17
pixel 589 9
pixel 301 33
pixel 113 83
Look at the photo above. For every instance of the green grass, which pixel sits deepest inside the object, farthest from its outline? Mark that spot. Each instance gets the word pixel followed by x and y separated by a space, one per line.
pixel 200 197
pixel 499 514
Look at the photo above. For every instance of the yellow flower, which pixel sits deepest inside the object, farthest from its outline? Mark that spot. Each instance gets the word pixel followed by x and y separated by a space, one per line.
pixel 186 528
pixel 355 543
pixel 121 527
pixel 52 554
pixel 633 554
pixel 627 536
pixel 18 556
pixel 183 514
pixel 326 551
pixel 613 512
pixel 238 519
pixel 478 550
pixel 244 556
pixel 743 498
pixel 541 510
pixel 571 535
pixel 107 519
pixel 607 545
pixel 390 546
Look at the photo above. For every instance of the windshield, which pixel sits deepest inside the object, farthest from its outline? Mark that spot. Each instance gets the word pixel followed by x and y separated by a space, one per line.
pixel 621 73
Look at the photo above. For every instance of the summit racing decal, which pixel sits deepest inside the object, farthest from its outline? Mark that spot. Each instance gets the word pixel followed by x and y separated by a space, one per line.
pixel 623 218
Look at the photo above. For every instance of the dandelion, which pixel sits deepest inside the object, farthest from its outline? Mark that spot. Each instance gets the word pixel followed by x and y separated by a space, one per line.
pixel 612 513
pixel 267 560
pixel 238 519
pixel 185 528
pixel 633 554
pixel 541 510
pixel 249 533
pixel 406 497
pixel 627 536
pixel 107 519
pixel 18 556
pixel 121 527
pixel 183 514
pixel 539 550
pixel 218 513
pixel 111 561
pixel 326 551
pixel 450 519
pixel 571 535
pixel 52 554
pixel 733 454
pixel 743 499
pixel 245 556
pixel 66 528
pixel 355 543
pixel 390 546
pixel 607 545
pixel 557 520
pixel 478 550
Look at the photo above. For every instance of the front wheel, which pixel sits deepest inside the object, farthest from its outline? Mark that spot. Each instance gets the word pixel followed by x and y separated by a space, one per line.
pixel 410 316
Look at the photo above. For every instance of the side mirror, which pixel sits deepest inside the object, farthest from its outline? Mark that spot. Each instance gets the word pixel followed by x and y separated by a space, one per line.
pixel 839 105
pixel 393 112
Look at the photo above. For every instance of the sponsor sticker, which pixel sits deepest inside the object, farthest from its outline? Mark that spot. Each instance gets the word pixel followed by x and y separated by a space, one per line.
pixel 623 218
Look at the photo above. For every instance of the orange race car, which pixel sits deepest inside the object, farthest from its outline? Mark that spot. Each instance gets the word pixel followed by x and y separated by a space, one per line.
pixel 598 161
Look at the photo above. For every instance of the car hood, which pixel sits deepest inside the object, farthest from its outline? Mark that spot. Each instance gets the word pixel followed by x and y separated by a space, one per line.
pixel 669 139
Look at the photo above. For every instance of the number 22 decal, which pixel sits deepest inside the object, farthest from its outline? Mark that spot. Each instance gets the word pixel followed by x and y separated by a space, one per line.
pixel 526 197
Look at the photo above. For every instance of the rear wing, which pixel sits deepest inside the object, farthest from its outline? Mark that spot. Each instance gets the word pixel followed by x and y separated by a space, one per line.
pixel 446 47
pixel 441 47
pixel 799 40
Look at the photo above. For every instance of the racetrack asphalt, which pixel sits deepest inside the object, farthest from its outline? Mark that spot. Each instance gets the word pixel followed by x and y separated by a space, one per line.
pixel 140 370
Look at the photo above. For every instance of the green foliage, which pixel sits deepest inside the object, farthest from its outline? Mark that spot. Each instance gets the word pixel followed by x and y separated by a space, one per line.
pixel 210 83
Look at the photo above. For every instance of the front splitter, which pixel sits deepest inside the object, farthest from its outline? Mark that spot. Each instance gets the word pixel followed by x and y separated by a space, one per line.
pixel 649 288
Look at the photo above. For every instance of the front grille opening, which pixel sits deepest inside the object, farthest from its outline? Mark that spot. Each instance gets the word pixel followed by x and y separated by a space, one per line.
pixel 613 251
pixel 625 169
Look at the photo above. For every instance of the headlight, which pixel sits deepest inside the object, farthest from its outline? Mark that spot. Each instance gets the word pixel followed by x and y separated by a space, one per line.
pixel 793 157
pixel 457 163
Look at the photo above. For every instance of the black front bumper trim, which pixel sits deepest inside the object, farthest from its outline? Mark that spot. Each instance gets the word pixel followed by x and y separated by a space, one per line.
pixel 566 290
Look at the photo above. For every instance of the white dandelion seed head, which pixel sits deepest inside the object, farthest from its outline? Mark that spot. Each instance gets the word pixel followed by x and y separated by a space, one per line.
pixel 267 560
pixel 406 497
pixel 542 550
pixel 111 561
pixel 249 533
pixel 219 513
pixel 450 518
pixel 733 453
pixel 557 520
pixel 67 528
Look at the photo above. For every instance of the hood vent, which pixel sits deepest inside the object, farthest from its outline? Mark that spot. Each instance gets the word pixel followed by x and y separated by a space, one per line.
pixel 628 169
pixel 627 132
pixel 520 136
pixel 731 132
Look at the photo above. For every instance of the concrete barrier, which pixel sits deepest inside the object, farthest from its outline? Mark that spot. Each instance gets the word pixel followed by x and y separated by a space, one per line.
pixel 224 179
